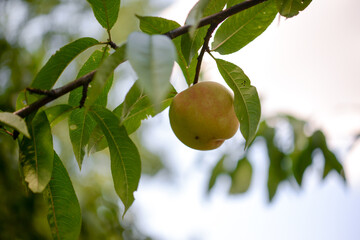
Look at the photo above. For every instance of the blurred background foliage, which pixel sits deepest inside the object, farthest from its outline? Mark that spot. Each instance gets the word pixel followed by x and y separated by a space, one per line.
pixel 32 30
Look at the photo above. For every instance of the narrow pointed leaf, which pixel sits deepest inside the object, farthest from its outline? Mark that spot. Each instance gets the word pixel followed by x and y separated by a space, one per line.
pixel 103 74
pixel 242 28
pixel 152 57
pixel 137 106
pixel 291 8
pixel 14 121
pixel 90 65
pixel 64 214
pixel 105 11
pixel 52 70
pixel 36 154
pixel 125 158
pixel 57 113
pixel 81 125
pixel 216 171
pixel 246 99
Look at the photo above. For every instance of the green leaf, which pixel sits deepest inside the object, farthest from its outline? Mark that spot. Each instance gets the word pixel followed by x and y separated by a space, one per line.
pixel 291 8
pixel 36 154
pixel 301 162
pixel 241 177
pixel 105 11
pixel 97 141
pixel 15 122
pixel 242 28
pixel 64 214
pixel 195 15
pixel 90 65
pixel 152 57
pixel 246 99
pixel 57 113
pixel 103 74
pixel 157 25
pixel 52 70
pixel 137 106
pixel 217 170
pixel 81 126
pixel 125 158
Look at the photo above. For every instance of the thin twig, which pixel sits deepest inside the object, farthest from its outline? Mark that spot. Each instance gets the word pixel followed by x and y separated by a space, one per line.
pixel 204 48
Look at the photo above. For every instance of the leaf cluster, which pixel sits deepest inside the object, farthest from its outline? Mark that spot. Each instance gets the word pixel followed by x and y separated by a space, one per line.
pixel 152 54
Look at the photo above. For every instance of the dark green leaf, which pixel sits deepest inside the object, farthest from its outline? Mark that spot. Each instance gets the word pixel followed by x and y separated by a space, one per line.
pixel 90 65
pixel 152 57
pixel 81 126
pixel 103 74
pixel 246 100
pixel 242 28
pixel 125 159
pixel 105 11
pixel 15 122
pixel 217 170
pixel 36 154
pixel 301 162
pixel 291 8
pixel 64 214
pixel 97 141
pixel 241 177
pixel 137 106
pixel 50 73
pixel 57 113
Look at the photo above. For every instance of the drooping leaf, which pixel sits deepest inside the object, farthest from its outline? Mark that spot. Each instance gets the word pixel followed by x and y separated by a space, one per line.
pixel 36 154
pixel 57 113
pixel 103 74
pixel 246 99
pixel 90 65
pixel 50 73
pixel 301 162
pixel 64 214
pixel 291 8
pixel 242 28
pixel 137 106
pixel 97 141
pixel 241 177
pixel 125 158
pixel 195 15
pixel 217 170
pixel 318 141
pixel 105 11
pixel 152 57
pixel 81 126
pixel 14 121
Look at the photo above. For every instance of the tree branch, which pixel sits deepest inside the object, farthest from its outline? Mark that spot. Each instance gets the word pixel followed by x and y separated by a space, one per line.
pixel 214 20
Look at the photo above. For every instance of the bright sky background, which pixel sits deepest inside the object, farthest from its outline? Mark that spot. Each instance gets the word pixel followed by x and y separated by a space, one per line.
pixel 307 66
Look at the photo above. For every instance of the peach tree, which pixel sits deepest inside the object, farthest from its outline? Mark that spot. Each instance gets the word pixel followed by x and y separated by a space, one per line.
pixel 212 26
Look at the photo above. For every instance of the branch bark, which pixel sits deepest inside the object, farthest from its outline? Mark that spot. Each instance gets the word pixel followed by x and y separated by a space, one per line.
pixel 214 20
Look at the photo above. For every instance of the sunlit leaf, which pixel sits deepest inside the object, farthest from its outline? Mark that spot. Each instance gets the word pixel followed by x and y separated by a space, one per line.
pixel 137 106
pixel 291 8
pixel 125 158
pixel 14 121
pixel 64 214
pixel 50 73
pixel 81 126
pixel 242 28
pixel 246 99
pixel 105 11
pixel 241 177
pixel 36 154
pixel 103 74
pixel 91 64
pixel 152 57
